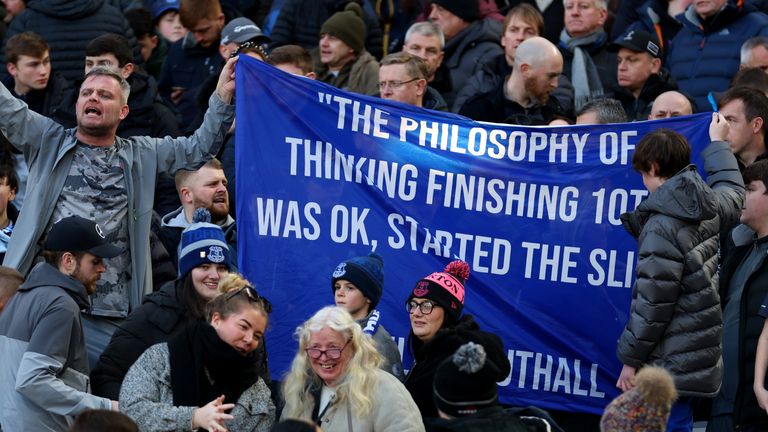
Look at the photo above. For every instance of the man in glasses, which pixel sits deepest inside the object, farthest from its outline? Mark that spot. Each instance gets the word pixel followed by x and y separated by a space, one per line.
pixel 403 78
pixel 44 379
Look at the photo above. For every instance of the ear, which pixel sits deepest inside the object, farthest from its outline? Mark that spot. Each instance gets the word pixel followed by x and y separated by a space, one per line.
pixel 655 65
pixel 124 112
pixel 525 68
pixel 154 41
pixel 185 193
pixel 757 125
pixel 311 75
pixel 215 319
pixel 68 263
pixel 653 172
pixel 12 195
pixel 127 70
pixel 603 16
pixel 11 69
pixel 223 52
pixel 421 87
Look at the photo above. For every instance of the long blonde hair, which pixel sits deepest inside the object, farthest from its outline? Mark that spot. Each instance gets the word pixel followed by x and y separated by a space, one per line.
pixel 359 375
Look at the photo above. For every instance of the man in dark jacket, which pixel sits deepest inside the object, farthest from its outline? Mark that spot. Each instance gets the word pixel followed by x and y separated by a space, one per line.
pixel 743 289
pixel 470 42
pixel 675 320
pixel 747 111
pixel 426 40
pixel 704 55
pixel 44 378
pixel 68 25
pixel 192 59
pixel 403 78
pixel 523 98
pixel 640 75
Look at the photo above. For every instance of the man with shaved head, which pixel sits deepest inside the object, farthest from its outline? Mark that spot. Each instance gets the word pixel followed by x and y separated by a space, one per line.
pixel 670 104
pixel 523 97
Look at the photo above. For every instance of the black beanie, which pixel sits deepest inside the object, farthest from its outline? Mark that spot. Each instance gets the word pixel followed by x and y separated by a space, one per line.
pixel 466 382
pixel 468 10
pixel 366 272
pixel 347 25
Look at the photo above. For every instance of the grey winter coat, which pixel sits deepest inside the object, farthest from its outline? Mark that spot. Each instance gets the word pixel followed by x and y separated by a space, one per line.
pixel 392 361
pixel 44 375
pixel 146 397
pixel 675 317
pixel 48 148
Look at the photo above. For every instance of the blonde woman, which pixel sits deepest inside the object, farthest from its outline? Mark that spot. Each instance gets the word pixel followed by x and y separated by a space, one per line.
pixel 335 380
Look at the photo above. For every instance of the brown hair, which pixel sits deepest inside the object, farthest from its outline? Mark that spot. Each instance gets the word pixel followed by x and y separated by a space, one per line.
pixel 527 13
pixel 102 420
pixel 758 171
pixel 755 102
pixel 183 175
pixel 292 54
pixel 54 257
pixel 415 67
pixel 28 44
pixel 192 11
pixel 665 148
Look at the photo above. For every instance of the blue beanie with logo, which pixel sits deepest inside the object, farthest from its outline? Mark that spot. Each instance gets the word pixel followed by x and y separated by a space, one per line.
pixel 202 243
pixel 366 272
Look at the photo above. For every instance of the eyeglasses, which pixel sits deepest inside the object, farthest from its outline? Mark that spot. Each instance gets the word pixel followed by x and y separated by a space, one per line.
pixel 394 85
pixel 330 353
pixel 252 295
pixel 425 307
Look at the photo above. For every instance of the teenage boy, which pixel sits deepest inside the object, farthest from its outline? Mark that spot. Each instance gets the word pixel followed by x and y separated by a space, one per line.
pixel 675 319
pixel 9 185
pixel 357 285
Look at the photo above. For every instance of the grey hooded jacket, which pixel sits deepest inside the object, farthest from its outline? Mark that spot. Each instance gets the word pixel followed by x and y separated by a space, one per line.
pixel 48 148
pixel 675 317
pixel 44 375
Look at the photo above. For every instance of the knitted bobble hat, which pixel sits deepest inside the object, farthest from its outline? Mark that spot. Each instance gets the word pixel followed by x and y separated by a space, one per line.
pixel 202 243
pixel 366 272
pixel 644 408
pixel 347 25
pixel 446 288
pixel 466 382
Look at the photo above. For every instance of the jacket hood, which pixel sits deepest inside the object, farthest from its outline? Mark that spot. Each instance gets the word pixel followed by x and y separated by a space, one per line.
pixel 44 274
pixel 479 31
pixel 66 9
pixel 732 11
pixel 684 196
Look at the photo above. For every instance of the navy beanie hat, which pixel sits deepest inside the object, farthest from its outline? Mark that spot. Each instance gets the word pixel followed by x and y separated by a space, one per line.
pixel 366 272
pixel 202 243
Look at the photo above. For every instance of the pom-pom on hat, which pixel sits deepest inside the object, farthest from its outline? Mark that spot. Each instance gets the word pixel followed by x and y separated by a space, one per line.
pixel 366 272
pixel 347 25
pixel 646 407
pixel 466 382
pixel 201 243
pixel 446 288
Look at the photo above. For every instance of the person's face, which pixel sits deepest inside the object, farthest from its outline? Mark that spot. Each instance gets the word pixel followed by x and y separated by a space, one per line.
pixel 242 330
pixel 206 277
pixel 651 181
pixel 30 73
pixel 758 58
pixel 349 297
pixel 427 48
pixel 754 212
pixel 411 92
pixel 707 8
pixel 108 61
pixel 634 68
pixel 516 32
pixel 541 80
pixel 6 195
pixel 88 270
pixel 425 327
pixel 582 17
pixel 446 21
pixel 331 371
pixel 169 26
pixel 14 7
pixel 207 31
pixel 100 106
pixel 670 105
pixel 207 188
pixel 147 45
pixel 227 49
pixel 334 52
pixel 742 132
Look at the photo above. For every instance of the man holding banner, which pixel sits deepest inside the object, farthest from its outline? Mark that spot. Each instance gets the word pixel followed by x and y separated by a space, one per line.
pixel 675 317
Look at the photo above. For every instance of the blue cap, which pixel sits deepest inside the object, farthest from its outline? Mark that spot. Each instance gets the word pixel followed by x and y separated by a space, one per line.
pixel 159 7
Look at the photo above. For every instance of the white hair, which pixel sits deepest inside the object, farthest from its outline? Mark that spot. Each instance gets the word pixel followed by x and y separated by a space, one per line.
pixel 600 4
pixel 749 45
pixel 426 29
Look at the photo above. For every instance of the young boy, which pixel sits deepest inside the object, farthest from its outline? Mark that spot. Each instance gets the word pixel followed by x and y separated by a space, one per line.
pixel 357 284
pixel 675 319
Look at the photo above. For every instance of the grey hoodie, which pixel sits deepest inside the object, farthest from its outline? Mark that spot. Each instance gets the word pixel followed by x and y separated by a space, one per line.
pixel 44 375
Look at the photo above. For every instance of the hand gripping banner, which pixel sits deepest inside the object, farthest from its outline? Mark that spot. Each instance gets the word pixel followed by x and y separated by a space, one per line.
pixel 324 175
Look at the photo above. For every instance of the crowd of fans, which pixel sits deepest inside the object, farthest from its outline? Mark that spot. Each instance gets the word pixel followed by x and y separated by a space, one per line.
pixel 120 303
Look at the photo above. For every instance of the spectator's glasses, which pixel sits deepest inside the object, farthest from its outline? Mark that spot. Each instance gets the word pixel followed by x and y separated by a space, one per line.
pixel 252 295
pixel 394 85
pixel 330 353
pixel 425 307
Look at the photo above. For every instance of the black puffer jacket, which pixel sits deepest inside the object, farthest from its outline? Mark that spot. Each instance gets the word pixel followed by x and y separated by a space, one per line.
pixel 639 108
pixel 675 317
pixel 160 316
pixel 67 26
pixel 45 101
pixel 300 21
pixel 428 356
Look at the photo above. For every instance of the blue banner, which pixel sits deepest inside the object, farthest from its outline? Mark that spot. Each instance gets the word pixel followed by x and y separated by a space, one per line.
pixel 324 175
